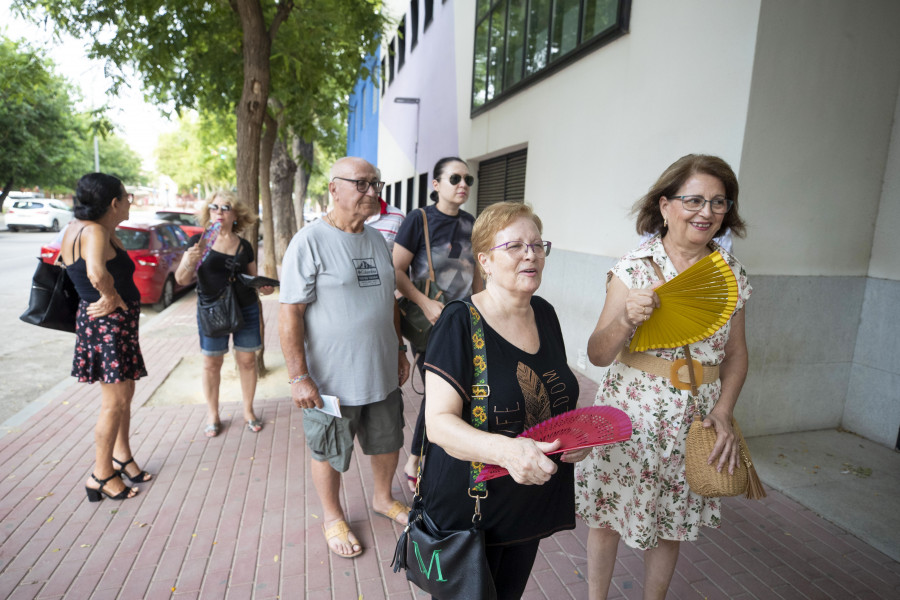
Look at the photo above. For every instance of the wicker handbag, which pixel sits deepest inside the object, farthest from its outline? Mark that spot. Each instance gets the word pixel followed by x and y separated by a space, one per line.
pixel 703 478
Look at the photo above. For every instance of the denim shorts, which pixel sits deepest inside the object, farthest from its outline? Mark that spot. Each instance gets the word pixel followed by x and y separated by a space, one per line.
pixel 246 339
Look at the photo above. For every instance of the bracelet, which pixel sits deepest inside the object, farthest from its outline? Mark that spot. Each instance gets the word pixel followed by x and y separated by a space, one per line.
pixel 403 348
pixel 298 379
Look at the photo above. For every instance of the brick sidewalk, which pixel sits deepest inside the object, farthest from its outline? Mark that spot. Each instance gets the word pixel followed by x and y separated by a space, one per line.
pixel 236 516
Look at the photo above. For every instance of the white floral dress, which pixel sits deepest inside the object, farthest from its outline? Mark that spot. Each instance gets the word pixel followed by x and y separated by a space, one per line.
pixel 637 488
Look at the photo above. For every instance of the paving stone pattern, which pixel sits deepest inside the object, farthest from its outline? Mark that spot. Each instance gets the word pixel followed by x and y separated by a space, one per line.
pixel 237 516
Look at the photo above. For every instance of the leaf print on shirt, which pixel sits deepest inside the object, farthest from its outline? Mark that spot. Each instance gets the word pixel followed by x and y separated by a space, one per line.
pixel 537 400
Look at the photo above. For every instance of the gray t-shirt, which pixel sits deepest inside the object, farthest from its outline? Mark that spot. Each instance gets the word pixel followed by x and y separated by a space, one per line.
pixel 347 280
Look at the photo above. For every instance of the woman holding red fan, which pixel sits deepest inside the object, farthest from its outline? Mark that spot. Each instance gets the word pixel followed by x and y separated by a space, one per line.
pixel 636 491
pixel 529 382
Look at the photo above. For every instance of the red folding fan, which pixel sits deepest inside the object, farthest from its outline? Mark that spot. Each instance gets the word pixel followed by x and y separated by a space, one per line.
pixel 579 428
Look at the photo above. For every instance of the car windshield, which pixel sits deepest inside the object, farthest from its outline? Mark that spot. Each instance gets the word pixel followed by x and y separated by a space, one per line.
pixel 133 239
pixel 28 204
pixel 180 218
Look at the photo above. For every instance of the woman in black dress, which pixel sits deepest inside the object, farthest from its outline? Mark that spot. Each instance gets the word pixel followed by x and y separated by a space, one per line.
pixel 106 328
pixel 529 381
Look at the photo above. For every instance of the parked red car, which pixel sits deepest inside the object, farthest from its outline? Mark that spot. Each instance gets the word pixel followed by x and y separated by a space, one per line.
pixel 156 249
pixel 185 219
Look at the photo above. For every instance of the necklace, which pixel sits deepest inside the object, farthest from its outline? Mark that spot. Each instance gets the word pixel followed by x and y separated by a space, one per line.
pixel 330 220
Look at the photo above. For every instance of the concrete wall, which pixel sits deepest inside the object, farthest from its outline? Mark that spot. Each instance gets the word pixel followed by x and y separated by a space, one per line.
pixel 600 131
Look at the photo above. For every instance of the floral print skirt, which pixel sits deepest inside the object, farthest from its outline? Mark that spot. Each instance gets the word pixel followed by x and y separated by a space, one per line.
pixel 107 348
pixel 637 488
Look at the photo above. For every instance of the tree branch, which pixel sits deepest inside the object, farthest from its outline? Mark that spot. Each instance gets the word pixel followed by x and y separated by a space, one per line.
pixel 284 9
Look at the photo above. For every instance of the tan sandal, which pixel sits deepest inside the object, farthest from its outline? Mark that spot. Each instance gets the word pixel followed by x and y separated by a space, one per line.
pixel 340 531
pixel 396 508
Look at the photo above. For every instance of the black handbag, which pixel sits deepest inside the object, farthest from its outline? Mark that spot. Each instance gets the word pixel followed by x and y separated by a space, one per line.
pixel 414 325
pixel 54 301
pixel 221 315
pixel 451 564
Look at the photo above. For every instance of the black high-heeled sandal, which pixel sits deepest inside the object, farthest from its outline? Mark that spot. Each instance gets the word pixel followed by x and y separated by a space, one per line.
pixel 139 478
pixel 97 495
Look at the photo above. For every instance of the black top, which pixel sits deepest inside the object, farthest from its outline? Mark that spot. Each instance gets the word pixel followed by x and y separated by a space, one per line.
pixel 525 390
pixel 212 276
pixel 121 267
pixel 451 249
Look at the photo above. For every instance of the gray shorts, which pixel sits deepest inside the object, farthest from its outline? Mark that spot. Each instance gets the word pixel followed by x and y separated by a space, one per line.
pixel 379 427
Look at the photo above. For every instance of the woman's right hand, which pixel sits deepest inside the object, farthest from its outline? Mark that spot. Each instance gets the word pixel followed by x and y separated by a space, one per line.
pixel 106 305
pixel 193 253
pixel 432 310
pixel 640 304
pixel 527 461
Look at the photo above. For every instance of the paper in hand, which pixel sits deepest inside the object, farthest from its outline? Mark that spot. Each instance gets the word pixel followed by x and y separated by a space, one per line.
pixel 331 405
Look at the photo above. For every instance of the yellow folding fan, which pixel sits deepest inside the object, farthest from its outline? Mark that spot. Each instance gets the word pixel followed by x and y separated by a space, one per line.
pixel 692 306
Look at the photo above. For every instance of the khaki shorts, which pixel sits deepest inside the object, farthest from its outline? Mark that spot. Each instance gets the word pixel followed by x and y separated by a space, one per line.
pixel 379 427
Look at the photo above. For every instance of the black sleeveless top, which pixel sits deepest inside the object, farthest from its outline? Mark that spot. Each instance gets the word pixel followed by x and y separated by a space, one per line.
pixel 121 267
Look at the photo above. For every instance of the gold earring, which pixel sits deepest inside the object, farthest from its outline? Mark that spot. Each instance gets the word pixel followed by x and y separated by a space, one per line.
pixel 665 222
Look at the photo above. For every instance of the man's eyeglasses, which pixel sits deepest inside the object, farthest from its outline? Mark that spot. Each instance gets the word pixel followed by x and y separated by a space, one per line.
pixel 217 208
pixel 363 185
pixel 519 249
pixel 455 179
pixel 696 203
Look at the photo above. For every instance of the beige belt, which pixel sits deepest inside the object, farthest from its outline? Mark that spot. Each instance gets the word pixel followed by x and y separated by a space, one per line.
pixel 674 370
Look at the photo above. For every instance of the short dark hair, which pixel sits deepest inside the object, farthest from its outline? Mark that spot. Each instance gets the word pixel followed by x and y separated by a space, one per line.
pixel 650 221
pixel 439 168
pixel 94 194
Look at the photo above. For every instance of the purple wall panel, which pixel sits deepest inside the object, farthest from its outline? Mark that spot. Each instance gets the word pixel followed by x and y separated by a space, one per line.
pixel 429 74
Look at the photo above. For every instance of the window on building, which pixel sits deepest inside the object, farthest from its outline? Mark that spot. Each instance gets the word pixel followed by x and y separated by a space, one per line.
pixel 409 195
pixel 429 13
pixel 502 178
pixel 398 194
pixel 383 77
pixel 518 42
pixel 387 193
pixel 424 190
pixel 401 43
pixel 391 55
pixel 413 23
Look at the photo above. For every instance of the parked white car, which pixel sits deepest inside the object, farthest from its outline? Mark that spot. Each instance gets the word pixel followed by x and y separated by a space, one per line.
pixel 42 213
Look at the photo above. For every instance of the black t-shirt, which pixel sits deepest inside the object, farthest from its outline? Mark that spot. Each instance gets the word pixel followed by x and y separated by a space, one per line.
pixel 525 390
pixel 451 249
pixel 212 276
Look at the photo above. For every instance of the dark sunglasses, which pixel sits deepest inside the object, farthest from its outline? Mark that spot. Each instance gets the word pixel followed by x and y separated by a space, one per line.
pixel 455 179
pixel 223 208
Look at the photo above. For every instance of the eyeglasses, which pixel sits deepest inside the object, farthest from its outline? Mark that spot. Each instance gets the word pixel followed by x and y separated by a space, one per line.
pixel 363 185
pixel 519 249
pixel 455 179
pixel 696 203
pixel 217 208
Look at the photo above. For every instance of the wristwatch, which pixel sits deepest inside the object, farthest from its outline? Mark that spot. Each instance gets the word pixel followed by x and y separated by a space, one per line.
pixel 403 348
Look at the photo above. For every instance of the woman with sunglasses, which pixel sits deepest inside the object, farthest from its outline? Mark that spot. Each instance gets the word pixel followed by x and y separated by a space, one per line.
pixel 636 491
pixel 450 237
pixel 213 274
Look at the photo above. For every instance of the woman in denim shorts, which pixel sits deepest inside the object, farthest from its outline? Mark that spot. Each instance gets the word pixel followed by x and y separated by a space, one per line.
pixel 213 274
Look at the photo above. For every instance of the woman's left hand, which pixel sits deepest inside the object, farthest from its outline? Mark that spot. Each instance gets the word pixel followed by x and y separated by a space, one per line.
pixel 266 290
pixel 574 456
pixel 726 449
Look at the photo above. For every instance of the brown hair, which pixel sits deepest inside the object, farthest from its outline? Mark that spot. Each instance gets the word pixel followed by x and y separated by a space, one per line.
pixel 242 215
pixel 649 219
pixel 494 219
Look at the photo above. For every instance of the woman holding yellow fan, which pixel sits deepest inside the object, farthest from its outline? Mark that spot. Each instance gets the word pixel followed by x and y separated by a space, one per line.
pixel 636 491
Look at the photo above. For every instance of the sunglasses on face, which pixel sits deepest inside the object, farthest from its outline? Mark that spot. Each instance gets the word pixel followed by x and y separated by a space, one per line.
pixel 217 208
pixel 455 179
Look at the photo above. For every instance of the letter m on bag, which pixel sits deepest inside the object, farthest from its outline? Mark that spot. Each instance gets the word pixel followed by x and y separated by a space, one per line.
pixel 435 561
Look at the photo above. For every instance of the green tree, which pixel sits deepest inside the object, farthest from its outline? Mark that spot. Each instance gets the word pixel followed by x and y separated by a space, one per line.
pixel 200 151
pixel 39 131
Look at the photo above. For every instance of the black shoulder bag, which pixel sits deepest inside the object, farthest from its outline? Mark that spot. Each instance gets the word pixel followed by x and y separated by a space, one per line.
pixel 414 325
pixel 222 315
pixel 452 564
pixel 54 301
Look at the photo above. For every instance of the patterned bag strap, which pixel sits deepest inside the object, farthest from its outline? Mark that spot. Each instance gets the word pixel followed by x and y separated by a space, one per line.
pixel 480 393
pixel 431 276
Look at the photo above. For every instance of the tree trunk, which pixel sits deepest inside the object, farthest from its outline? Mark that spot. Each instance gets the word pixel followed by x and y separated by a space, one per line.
pixel 251 110
pixel 304 157
pixel 283 170
pixel 265 177
pixel 5 192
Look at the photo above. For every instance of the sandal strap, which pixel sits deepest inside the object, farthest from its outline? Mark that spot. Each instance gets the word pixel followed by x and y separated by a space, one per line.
pixel 121 464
